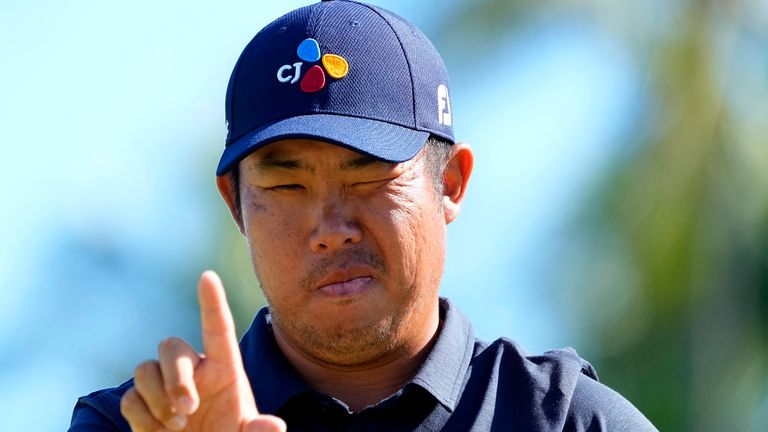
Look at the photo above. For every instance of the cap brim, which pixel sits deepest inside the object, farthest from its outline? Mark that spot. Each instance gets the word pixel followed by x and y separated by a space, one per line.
pixel 382 140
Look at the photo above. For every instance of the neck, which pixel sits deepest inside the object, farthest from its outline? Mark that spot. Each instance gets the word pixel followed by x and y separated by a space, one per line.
pixel 362 385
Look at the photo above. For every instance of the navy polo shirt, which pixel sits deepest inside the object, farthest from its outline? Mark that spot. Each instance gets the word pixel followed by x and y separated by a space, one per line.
pixel 464 385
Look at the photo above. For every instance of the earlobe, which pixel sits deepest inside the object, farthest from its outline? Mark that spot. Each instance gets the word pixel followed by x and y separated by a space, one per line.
pixel 456 179
pixel 227 191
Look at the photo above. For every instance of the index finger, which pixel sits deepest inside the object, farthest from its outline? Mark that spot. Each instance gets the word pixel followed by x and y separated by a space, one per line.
pixel 218 328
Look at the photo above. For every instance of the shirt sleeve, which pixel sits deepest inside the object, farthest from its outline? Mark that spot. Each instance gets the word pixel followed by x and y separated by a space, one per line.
pixel 86 418
pixel 595 408
pixel 100 411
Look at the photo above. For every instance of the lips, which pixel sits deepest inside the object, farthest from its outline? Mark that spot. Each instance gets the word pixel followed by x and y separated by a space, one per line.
pixel 346 288
pixel 345 282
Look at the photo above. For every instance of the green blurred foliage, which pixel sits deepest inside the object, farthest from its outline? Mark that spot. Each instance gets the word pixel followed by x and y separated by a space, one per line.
pixel 230 256
pixel 665 273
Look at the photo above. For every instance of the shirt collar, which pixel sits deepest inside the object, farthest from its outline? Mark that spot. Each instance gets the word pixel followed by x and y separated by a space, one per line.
pixel 274 382
pixel 443 372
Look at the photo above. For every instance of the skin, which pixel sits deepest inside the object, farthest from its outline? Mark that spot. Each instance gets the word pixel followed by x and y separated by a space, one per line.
pixel 349 252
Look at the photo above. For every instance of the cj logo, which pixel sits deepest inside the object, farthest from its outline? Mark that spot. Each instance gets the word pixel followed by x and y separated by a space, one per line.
pixel 281 73
pixel 314 79
pixel 443 105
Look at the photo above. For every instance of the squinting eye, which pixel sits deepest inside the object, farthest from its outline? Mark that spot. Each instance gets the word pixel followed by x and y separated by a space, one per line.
pixel 372 183
pixel 287 187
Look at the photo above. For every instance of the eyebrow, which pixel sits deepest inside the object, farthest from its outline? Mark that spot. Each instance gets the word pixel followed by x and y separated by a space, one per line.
pixel 273 163
pixel 362 162
pixel 270 164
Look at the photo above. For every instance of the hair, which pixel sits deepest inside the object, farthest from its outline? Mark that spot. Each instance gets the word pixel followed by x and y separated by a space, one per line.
pixel 437 153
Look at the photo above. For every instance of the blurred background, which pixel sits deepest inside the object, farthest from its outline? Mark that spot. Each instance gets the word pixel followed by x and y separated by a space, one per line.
pixel 619 203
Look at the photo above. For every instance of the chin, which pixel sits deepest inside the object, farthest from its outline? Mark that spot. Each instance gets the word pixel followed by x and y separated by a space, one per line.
pixel 344 341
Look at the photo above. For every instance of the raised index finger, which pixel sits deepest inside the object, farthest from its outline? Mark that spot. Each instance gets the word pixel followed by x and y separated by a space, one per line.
pixel 219 340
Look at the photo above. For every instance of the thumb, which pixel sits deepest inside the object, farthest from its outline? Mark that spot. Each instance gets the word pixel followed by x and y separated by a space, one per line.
pixel 265 423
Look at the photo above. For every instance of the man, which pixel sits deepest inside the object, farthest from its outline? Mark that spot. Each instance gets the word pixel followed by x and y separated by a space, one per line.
pixel 342 173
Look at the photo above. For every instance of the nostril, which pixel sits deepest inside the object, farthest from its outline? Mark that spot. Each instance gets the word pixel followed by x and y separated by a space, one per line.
pixel 335 230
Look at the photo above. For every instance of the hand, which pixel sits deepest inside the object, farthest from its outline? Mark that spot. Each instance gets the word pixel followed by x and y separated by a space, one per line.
pixel 185 390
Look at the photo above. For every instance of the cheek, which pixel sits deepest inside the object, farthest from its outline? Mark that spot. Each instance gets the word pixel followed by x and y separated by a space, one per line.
pixel 411 232
pixel 272 238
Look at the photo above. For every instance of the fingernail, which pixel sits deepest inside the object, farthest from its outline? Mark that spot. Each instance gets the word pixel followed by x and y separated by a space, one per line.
pixel 177 422
pixel 186 404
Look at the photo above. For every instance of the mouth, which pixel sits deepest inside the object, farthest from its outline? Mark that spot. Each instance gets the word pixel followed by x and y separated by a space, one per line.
pixel 345 283
pixel 346 288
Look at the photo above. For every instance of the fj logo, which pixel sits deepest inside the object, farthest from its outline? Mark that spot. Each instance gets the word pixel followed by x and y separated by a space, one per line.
pixel 443 105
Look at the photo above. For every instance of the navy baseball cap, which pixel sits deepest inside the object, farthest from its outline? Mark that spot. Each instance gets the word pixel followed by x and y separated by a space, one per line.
pixel 340 71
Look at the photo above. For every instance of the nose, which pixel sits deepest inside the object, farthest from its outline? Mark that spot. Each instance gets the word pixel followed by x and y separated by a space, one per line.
pixel 335 230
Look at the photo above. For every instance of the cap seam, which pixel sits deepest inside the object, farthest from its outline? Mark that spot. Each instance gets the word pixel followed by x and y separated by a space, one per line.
pixel 407 61
pixel 314 19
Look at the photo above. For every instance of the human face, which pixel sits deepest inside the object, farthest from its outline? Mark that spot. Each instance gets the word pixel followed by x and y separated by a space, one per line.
pixel 348 250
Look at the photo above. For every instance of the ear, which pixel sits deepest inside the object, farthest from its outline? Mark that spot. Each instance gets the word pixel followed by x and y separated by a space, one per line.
pixel 227 191
pixel 455 180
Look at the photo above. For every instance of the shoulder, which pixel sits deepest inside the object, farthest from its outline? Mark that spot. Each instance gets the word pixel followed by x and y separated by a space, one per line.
pixel 559 368
pixel 596 407
pixel 100 411
pixel 558 386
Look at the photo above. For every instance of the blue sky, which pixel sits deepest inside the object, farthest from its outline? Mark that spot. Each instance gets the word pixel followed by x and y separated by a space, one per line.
pixel 105 103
